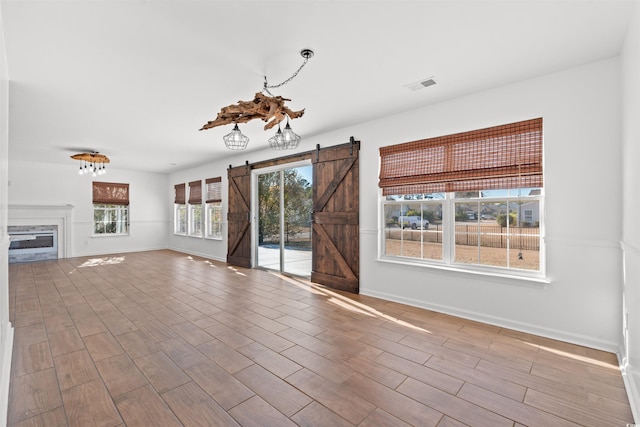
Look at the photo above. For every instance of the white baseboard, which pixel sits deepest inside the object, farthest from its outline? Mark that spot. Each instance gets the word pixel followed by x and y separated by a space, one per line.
pixel 631 380
pixel 502 322
pixel 5 374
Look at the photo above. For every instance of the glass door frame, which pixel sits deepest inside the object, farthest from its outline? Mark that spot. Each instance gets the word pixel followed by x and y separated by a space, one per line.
pixel 255 214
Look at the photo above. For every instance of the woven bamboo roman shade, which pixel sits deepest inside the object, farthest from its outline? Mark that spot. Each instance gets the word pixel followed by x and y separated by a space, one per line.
pixel 180 198
pixel 195 192
pixel 500 157
pixel 110 193
pixel 214 189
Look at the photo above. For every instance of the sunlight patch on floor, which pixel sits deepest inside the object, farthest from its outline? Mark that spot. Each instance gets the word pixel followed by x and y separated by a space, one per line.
pixel 95 262
pixel 235 270
pixel 347 303
pixel 210 264
pixel 576 357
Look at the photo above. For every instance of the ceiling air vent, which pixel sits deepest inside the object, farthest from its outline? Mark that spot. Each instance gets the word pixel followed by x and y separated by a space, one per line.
pixel 421 84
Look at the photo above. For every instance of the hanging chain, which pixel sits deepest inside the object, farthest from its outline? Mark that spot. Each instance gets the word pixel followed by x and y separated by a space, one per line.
pixel 266 86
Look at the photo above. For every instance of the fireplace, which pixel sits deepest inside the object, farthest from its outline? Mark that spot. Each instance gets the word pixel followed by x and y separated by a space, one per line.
pixel 32 225
pixel 33 243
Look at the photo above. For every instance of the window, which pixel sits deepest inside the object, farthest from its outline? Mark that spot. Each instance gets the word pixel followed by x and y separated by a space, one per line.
pixel 528 216
pixel 195 208
pixel 189 216
pixel 214 208
pixel 180 210
pixel 403 215
pixel 471 200
pixel 110 208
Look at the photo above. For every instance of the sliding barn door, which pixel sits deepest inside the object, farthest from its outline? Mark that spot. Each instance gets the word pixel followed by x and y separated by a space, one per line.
pixel 239 217
pixel 336 238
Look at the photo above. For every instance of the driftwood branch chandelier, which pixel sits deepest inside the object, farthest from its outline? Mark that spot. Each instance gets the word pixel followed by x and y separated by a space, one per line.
pixel 93 163
pixel 266 107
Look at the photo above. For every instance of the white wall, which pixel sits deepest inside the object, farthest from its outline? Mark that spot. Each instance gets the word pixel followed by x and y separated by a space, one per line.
pixel 56 184
pixel 582 139
pixel 6 330
pixel 582 143
pixel 630 208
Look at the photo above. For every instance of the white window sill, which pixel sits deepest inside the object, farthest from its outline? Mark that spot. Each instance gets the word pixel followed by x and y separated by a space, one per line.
pixel 109 235
pixel 503 277
pixel 213 238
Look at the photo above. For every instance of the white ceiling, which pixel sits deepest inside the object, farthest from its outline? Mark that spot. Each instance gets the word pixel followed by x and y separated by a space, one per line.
pixel 135 80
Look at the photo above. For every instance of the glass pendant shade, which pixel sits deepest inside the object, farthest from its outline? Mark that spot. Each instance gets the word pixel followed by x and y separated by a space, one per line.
pixel 236 140
pixel 284 140
pixel 277 141
pixel 291 139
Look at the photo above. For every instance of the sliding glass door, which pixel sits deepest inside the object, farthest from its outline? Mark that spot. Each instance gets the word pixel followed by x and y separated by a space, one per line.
pixel 269 227
pixel 284 205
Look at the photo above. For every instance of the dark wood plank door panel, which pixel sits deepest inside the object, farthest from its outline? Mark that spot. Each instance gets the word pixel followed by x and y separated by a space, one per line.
pixel 239 217
pixel 336 234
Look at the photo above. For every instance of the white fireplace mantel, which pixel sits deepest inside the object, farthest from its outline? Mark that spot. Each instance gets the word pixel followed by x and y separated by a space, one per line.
pixel 59 215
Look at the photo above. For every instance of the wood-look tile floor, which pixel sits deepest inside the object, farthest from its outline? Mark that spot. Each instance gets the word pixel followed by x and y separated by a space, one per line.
pixel 162 338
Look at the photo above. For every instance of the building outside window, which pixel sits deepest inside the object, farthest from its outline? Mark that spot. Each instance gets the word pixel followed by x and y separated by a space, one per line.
pixel 528 216
pixel 180 210
pixel 110 208
pixel 486 210
pixel 213 208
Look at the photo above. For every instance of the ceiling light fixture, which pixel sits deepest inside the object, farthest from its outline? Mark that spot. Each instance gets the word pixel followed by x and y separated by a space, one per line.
pixel 264 106
pixel 92 163
pixel 236 140
pixel 284 140
pixel 277 141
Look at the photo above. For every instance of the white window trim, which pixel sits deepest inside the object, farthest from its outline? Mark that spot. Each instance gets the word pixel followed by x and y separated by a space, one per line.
pixel 175 219
pixel 207 234
pixel 500 276
pixel 538 277
pixel 100 235
pixel 190 232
